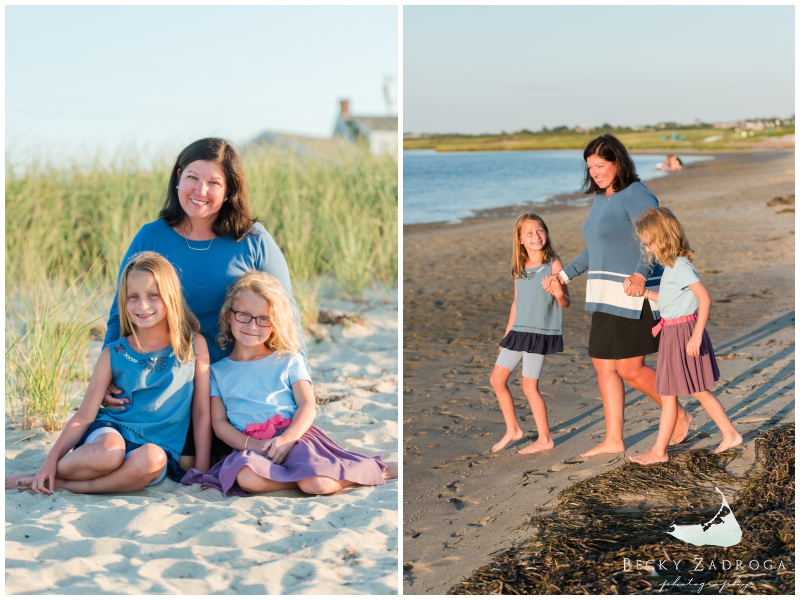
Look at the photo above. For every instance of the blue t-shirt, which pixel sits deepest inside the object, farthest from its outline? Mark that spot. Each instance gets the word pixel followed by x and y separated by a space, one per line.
pixel 206 274
pixel 257 390
pixel 675 299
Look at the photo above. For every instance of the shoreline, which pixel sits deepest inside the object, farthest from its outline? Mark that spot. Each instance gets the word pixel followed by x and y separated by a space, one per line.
pixel 569 199
pixel 462 503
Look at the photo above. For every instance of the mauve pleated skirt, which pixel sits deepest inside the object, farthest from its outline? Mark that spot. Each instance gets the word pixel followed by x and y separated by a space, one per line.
pixel 678 374
pixel 315 454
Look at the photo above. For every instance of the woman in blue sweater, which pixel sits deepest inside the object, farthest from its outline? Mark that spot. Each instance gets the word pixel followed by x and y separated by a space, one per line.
pixel 207 232
pixel 620 335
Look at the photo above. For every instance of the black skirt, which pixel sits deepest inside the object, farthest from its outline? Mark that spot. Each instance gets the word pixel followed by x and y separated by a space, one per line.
pixel 614 338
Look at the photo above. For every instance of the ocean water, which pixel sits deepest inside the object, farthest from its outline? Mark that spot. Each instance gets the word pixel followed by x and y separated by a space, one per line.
pixel 450 186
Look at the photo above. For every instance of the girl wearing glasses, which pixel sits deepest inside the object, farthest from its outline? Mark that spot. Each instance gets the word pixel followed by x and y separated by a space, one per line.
pixel 262 404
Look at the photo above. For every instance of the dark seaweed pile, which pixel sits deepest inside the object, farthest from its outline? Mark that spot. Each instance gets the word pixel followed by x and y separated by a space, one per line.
pixel 581 547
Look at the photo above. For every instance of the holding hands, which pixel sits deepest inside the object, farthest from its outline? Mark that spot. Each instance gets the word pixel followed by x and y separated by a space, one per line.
pixel 634 285
pixel 553 285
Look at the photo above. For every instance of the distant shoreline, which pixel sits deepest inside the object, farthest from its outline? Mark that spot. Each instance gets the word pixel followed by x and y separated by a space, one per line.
pixel 558 202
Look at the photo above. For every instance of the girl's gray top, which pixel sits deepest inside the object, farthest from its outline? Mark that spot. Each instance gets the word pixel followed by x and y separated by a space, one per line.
pixel 537 311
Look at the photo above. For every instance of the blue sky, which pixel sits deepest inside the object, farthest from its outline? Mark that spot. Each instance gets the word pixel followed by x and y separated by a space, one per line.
pixel 474 69
pixel 83 78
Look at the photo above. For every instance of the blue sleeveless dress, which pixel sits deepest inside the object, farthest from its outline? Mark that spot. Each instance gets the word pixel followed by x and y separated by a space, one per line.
pixel 537 325
pixel 160 391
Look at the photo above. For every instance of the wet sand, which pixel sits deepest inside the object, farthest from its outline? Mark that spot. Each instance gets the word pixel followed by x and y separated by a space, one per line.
pixel 461 502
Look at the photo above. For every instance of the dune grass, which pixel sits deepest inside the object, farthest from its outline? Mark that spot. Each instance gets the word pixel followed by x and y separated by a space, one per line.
pixel 335 219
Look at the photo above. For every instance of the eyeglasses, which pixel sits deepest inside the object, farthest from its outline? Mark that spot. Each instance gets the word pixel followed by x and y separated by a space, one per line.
pixel 244 317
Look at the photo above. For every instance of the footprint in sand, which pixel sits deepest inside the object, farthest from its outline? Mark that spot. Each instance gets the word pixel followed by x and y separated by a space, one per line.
pixel 461 502
pixel 483 522
pixel 591 470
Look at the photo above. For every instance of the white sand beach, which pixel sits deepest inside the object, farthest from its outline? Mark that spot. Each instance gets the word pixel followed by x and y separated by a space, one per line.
pixel 174 539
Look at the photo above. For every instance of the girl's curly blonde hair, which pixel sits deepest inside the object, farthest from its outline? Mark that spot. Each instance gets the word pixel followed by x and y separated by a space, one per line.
pixel 284 338
pixel 659 227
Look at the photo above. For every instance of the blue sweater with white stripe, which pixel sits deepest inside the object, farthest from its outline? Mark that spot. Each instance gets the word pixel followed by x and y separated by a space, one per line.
pixel 612 252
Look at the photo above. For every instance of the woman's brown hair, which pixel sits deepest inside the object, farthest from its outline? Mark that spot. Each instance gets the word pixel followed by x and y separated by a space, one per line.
pixel 611 150
pixel 234 218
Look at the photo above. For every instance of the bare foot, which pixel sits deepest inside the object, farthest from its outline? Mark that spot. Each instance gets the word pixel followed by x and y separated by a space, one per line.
pixel 682 425
pixel 391 470
pixel 728 444
pixel 538 446
pixel 650 458
pixel 507 439
pixel 23 482
pixel 605 448
pixel 11 480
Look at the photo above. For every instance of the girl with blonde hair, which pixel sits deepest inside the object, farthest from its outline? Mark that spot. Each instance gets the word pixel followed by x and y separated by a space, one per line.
pixel 263 406
pixel 533 330
pixel 686 362
pixel 161 364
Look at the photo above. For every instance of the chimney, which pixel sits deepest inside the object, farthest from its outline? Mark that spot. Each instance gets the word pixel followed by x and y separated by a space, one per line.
pixel 345 109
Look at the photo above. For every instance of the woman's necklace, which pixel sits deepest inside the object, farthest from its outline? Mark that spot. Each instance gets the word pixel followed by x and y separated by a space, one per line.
pixel 198 249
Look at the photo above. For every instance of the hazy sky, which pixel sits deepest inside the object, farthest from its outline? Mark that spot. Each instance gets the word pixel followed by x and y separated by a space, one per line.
pixel 94 76
pixel 487 69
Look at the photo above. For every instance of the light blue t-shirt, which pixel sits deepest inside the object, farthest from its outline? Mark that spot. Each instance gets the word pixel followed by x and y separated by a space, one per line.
pixel 257 390
pixel 675 299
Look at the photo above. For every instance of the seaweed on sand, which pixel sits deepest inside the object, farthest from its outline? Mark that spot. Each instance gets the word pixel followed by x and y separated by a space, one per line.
pixel 582 547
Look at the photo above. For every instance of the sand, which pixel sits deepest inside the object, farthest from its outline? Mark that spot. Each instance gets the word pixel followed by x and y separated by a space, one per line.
pixel 174 539
pixel 461 502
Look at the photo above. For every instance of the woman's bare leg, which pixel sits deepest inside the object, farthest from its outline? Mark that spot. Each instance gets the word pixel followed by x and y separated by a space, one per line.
pixel 612 391
pixel 499 381
pixel 143 466
pixel 669 415
pixel 539 409
pixel 643 378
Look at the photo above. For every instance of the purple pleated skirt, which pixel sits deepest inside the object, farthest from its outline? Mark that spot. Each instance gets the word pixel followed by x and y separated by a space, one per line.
pixel 314 454
pixel 677 373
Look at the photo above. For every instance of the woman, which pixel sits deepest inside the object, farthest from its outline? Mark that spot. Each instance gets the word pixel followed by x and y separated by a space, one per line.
pixel 208 234
pixel 620 334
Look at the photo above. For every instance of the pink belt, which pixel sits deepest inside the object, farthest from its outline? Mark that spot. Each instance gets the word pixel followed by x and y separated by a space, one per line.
pixel 266 430
pixel 664 322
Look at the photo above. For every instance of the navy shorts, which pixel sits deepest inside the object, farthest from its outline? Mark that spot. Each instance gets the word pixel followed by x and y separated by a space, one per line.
pixel 174 470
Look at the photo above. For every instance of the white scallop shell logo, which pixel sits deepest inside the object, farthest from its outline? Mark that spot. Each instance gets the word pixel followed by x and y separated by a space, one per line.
pixel 722 530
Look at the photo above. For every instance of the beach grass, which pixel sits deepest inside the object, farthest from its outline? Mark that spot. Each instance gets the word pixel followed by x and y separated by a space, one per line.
pixel 48 327
pixel 581 547
pixel 694 139
pixel 334 218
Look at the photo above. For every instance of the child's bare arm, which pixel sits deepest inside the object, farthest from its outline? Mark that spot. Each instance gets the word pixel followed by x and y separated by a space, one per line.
pixel 201 405
pixel 73 431
pixel 512 314
pixel 277 449
pixel 559 288
pixel 223 428
pixel 703 310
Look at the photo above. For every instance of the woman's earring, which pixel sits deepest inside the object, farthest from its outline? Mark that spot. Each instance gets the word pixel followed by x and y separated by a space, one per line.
pixel 176 188
pixel 226 199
